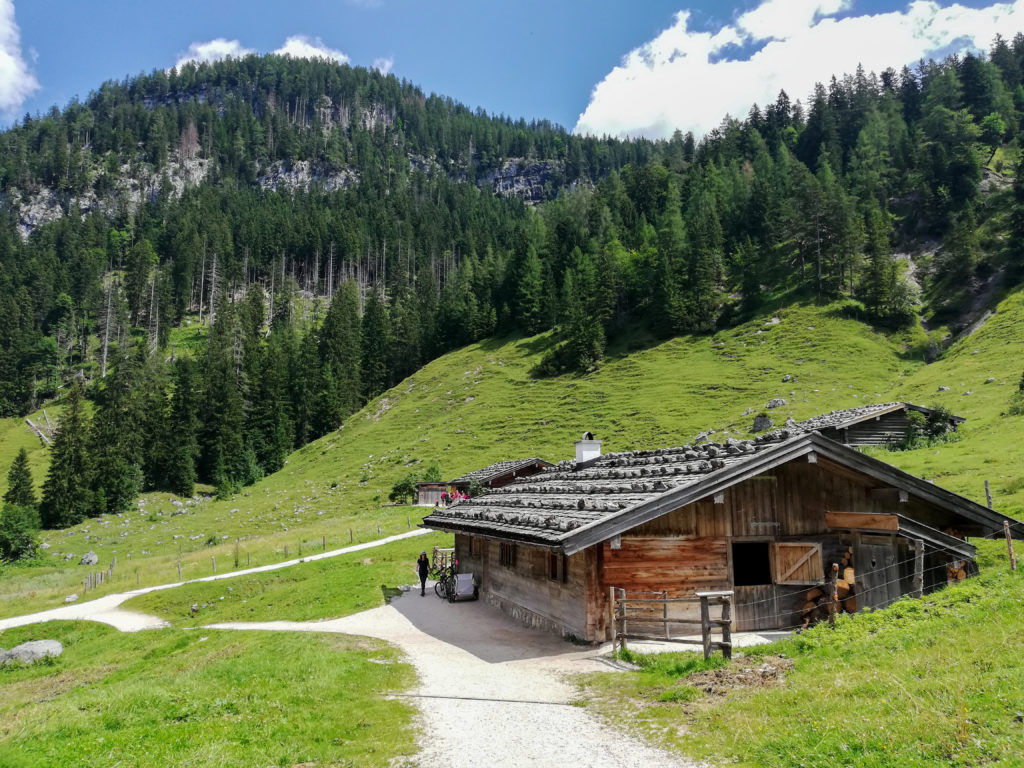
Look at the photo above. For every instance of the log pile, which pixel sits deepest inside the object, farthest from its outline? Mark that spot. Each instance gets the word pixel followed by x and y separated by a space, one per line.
pixel 956 571
pixel 817 599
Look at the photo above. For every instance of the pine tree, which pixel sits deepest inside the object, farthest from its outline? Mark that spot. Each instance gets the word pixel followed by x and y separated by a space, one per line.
pixel 182 431
pixel 67 499
pixel 374 346
pixel 271 430
pixel 340 349
pixel 20 491
pixel 527 291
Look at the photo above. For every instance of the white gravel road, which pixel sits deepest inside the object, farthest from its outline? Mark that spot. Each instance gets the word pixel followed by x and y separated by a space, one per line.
pixel 491 692
pixel 107 609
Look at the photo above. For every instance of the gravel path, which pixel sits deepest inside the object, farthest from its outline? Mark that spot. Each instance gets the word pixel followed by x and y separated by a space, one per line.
pixel 108 611
pixel 491 692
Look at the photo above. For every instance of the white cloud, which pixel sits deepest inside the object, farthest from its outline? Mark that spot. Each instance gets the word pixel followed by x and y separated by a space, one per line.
pixel 17 82
pixel 303 47
pixel 383 65
pixel 214 50
pixel 686 79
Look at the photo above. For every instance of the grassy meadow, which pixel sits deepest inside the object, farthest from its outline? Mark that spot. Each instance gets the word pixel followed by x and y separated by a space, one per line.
pixel 479 405
pixel 922 683
pixel 168 697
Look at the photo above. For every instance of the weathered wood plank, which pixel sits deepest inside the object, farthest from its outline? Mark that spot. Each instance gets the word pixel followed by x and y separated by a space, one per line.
pixel 865 521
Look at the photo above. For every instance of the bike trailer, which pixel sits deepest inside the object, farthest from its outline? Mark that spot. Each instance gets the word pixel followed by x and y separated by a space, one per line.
pixel 464 588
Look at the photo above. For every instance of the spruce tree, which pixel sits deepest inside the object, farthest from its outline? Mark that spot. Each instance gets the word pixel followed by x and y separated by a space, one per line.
pixel 375 335
pixel 20 491
pixel 67 499
pixel 181 435
pixel 340 349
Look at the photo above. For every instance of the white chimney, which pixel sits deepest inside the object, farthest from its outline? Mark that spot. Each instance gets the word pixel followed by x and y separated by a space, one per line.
pixel 587 448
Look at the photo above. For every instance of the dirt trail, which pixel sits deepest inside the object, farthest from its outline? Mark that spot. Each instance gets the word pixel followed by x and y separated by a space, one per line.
pixel 107 609
pixel 491 692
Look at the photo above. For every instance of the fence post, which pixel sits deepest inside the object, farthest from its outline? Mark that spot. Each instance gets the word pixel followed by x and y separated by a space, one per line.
pixel 918 590
pixel 323 543
pixel 350 539
pixel 988 495
pixel 622 616
pixel 1009 545
pixel 727 626
pixel 833 594
pixel 611 617
pixel 179 570
pixel 213 562
pixel 705 625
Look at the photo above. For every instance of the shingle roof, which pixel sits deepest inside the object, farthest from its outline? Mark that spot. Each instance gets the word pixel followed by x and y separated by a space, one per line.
pixel 545 507
pixel 848 416
pixel 501 468
pixel 571 506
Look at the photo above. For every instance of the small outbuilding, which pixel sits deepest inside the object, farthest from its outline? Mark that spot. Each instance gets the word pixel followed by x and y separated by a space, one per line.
pixel 765 518
pixel 429 494
pixel 878 424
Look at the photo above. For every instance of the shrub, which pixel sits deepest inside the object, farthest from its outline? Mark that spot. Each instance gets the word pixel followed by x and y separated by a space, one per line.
pixel 19 526
pixel 403 490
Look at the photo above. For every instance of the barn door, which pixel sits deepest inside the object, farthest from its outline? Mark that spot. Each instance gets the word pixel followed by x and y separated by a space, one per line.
pixel 878 578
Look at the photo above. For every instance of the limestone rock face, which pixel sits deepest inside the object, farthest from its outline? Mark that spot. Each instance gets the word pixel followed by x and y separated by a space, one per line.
pixel 31 651
pixel 89 558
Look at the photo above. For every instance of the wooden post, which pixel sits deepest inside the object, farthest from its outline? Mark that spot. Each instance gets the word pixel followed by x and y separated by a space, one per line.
pixel 213 562
pixel 136 577
pixel 833 595
pixel 918 589
pixel 727 626
pixel 248 559
pixel 179 570
pixel 286 550
pixel 1009 545
pixel 378 529
pixel 350 539
pixel 988 495
pixel 664 610
pixel 705 625
pixel 408 522
pixel 611 616
pixel 323 543
pixel 622 616
pixel 236 553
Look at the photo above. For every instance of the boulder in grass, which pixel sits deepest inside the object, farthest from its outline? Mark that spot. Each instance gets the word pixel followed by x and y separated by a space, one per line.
pixel 762 422
pixel 32 651
pixel 89 558
pixel 71 598
pixel 777 402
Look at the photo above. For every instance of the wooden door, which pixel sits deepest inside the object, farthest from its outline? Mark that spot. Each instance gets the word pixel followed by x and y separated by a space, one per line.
pixel 755 608
pixel 878 578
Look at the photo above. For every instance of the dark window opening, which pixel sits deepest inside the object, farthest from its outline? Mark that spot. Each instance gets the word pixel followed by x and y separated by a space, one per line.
pixel 507 555
pixel 751 564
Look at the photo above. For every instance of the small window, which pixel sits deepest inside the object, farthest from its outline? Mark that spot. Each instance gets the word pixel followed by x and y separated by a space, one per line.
pixel 476 546
pixel 507 555
pixel 554 563
pixel 751 563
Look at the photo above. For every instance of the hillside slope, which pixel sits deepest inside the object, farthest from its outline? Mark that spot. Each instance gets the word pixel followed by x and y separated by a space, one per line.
pixel 479 405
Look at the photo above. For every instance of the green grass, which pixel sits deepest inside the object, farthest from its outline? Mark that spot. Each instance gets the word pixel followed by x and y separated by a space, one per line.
pixel 322 589
pixel 479 405
pixel 938 681
pixel 178 698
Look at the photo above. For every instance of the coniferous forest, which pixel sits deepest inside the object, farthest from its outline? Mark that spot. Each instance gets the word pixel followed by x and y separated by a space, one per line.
pixel 390 241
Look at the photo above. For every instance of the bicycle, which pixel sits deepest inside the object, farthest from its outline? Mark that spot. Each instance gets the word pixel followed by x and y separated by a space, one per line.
pixel 445 586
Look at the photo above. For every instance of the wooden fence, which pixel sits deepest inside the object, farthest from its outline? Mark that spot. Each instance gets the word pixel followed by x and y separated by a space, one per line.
pixel 645 616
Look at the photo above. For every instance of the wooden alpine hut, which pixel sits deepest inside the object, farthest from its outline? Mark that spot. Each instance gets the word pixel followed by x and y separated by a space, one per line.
pixel 766 518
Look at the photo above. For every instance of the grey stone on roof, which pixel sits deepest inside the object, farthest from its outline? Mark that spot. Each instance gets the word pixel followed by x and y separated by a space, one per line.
pixel 549 505
pixel 500 468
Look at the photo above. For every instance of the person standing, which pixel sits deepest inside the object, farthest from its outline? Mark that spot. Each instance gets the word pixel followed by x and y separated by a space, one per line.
pixel 423 566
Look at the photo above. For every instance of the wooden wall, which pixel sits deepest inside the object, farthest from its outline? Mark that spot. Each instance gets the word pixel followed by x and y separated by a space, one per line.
pixel 567 605
pixel 880 430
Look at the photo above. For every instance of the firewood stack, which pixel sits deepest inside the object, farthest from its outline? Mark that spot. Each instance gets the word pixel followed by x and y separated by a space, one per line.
pixel 956 571
pixel 816 606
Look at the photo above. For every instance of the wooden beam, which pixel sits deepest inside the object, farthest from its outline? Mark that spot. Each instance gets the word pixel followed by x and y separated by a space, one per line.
pixel 865 521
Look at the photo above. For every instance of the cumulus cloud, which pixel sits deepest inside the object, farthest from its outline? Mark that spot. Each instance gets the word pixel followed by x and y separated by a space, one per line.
pixel 303 47
pixel 383 65
pixel 213 50
pixel 690 79
pixel 17 82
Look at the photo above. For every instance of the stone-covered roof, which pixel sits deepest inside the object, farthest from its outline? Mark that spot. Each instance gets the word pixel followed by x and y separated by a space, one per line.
pixel 573 505
pixel 848 416
pixel 547 506
pixel 501 468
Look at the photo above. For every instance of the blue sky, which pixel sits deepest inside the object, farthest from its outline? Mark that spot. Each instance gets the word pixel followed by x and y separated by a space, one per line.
pixel 629 68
